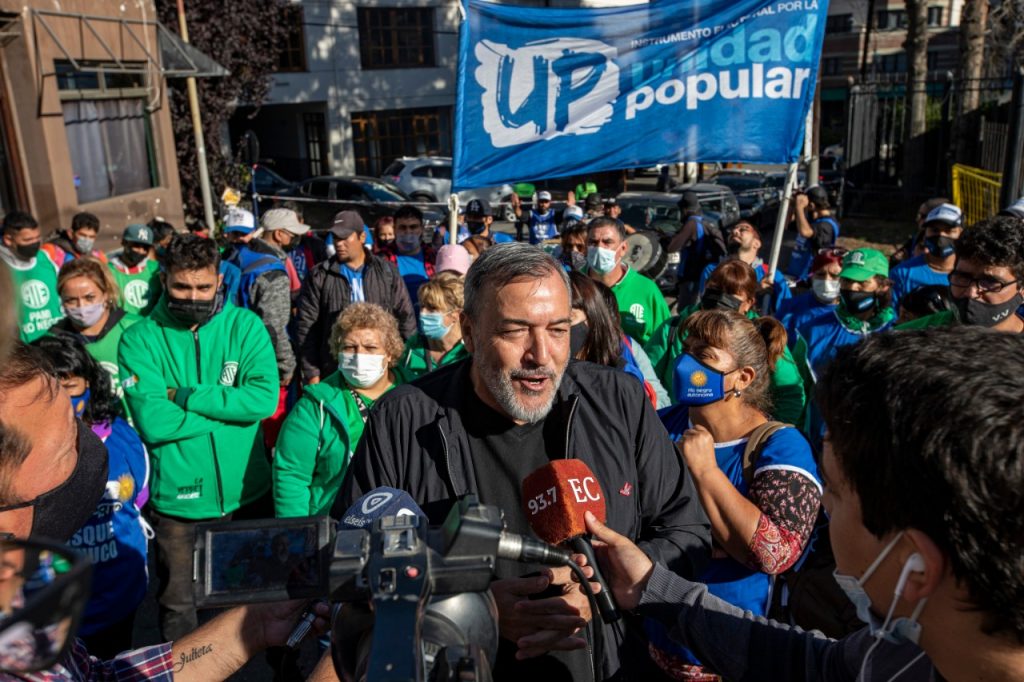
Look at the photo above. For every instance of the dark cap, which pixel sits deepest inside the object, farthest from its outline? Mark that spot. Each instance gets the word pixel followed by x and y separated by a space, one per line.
pixel 818 196
pixel 479 207
pixel 610 201
pixel 593 201
pixel 689 202
pixel 345 223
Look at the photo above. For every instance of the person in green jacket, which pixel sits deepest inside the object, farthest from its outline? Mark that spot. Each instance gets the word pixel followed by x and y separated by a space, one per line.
pixel 198 375
pixel 642 308
pixel 439 339
pixel 318 437
pixel 732 286
pixel 91 299
pixel 33 273
pixel 136 270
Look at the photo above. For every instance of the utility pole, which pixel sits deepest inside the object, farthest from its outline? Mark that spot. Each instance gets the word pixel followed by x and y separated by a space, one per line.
pixel 814 161
pixel 197 131
pixel 867 40
pixel 1011 189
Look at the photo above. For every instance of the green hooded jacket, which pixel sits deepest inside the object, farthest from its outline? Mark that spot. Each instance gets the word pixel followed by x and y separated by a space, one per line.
pixel 315 446
pixel 205 445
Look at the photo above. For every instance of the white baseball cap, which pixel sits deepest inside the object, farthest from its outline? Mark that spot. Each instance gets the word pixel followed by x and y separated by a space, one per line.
pixel 544 196
pixel 949 214
pixel 283 219
pixel 239 220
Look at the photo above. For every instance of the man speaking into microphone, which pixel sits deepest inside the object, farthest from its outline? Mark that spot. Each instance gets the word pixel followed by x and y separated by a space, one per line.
pixel 483 425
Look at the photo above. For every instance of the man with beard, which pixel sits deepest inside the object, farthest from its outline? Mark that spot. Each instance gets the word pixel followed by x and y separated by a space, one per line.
pixel 743 244
pixel 480 426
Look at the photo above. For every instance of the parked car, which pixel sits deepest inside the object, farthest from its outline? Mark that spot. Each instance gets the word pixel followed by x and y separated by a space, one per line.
pixel 656 217
pixel 754 193
pixel 429 179
pixel 371 197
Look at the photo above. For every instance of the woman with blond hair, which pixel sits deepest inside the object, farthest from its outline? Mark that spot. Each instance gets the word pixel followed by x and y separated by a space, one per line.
pixel 92 311
pixel 438 342
pixel 321 433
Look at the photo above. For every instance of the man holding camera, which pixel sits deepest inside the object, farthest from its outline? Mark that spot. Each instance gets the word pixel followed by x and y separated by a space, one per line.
pixel 926 521
pixel 52 474
pixel 482 425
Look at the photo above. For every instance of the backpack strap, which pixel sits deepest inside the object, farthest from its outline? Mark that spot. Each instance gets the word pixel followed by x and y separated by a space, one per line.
pixel 755 444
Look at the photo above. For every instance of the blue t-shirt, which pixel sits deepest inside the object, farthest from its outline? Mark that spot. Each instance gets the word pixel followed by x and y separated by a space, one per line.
pixel 780 288
pixel 726 578
pixel 355 280
pixel 542 226
pixel 913 274
pixel 826 232
pixel 797 310
pixel 501 237
pixel 414 273
pixel 113 536
pixel 232 281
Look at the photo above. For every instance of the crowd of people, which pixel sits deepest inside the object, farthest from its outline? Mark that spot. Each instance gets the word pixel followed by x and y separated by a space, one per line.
pixel 799 445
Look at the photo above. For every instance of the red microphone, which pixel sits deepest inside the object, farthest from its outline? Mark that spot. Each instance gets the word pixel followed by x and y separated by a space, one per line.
pixel 555 498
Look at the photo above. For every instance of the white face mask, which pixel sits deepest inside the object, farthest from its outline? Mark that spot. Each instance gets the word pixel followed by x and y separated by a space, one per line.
pixel 601 261
pixel 361 369
pixel 825 290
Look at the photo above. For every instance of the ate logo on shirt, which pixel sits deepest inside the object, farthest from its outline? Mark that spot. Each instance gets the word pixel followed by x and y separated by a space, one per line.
pixel 228 373
pixel 637 311
pixel 35 294
pixel 136 292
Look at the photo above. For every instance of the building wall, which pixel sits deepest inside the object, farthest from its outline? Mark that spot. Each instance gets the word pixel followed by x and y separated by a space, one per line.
pixel 335 78
pixel 42 153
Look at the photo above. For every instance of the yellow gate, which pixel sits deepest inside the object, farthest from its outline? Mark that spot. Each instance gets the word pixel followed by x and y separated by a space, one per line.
pixel 976 192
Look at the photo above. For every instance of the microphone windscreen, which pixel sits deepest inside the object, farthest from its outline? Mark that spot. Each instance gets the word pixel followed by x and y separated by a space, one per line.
pixel 556 495
pixel 377 503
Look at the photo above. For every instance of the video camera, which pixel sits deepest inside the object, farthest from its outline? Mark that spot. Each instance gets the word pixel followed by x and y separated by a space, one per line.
pixel 427 588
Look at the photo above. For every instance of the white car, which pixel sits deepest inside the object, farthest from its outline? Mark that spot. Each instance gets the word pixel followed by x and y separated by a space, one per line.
pixel 429 179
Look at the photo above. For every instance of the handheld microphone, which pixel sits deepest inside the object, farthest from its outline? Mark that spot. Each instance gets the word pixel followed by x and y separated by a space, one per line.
pixel 555 497
pixel 376 504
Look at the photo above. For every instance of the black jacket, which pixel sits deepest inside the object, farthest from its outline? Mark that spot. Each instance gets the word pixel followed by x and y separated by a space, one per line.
pixel 415 441
pixel 326 292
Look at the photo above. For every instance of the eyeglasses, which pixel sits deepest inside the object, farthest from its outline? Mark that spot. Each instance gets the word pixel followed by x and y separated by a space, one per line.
pixel 836 251
pixel 985 285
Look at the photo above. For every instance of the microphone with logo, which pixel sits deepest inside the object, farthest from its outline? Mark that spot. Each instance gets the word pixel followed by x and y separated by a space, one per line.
pixel 378 503
pixel 555 497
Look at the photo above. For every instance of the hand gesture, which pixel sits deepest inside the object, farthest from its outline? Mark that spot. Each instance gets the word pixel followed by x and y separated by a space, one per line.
pixel 698 450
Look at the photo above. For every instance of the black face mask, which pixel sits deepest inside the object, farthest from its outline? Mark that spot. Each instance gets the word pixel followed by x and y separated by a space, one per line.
pixel 59 513
pixel 189 312
pixel 577 337
pixel 385 243
pixel 27 251
pixel 857 302
pixel 976 312
pixel 131 258
pixel 719 300
pixel 940 247
pixel 475 227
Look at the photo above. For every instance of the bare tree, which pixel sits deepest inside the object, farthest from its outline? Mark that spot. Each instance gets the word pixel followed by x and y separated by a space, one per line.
pixel 1005 37
pixel 916 107
pixel 972 50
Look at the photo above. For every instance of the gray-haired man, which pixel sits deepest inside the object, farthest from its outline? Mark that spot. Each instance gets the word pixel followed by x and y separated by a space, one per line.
pixel 481 425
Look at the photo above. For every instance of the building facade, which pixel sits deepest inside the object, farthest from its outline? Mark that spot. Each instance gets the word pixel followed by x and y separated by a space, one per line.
pixel 84 121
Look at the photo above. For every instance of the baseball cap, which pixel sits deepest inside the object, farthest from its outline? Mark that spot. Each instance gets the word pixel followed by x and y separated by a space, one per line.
pixel 817 195
pixel 573 212
pixel 452 257
pixel 689 201
pixel 947 214
pixel 610 201
pixel 1014 210
pixel 345 223
pixel 283 219
pixel 138 234
pixel 860 265
pixel 593 201
pixel 478 207
pixel 239 220
pixel 544 196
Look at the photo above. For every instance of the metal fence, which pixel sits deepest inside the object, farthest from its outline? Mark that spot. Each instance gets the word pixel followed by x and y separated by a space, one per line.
pixel 976 192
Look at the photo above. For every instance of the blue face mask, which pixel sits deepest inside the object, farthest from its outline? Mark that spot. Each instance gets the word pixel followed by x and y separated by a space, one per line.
pixel 891 630
pixel 432 325
pixel 79 403
pixel 941 246
pixel 601 261
pixel 697 384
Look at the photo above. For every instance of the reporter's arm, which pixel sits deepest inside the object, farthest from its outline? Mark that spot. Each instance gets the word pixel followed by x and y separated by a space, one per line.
pixel 219 648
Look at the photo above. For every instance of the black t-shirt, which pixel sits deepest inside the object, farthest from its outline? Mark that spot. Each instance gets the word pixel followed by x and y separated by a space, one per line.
pixel 824 233
pixel 505 453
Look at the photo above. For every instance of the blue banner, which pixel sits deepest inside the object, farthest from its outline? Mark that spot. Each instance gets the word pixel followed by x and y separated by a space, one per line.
pixel 551 92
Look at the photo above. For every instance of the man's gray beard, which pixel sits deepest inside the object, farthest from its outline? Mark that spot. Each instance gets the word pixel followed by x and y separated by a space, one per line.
pixel 499 383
